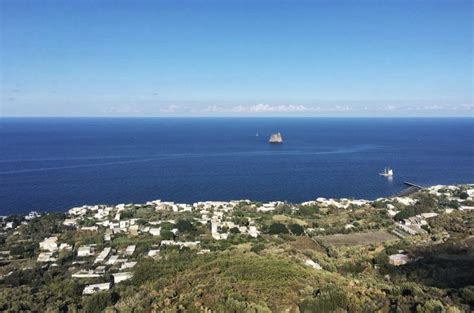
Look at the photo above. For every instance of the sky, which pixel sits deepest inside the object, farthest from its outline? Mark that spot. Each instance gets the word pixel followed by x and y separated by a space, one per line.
pixel 236 58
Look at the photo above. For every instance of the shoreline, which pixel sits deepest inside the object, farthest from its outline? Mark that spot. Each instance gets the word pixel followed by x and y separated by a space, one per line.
pixel 344 200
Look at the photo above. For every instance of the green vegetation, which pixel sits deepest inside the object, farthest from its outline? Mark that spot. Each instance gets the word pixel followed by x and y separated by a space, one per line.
pixel 277 228
pixel 317 257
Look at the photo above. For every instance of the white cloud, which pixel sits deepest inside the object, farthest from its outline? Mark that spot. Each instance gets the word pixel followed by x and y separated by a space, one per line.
pixel 214 108
pixel 267 108
pixel 341 108
pixel 170 109
pixel 122 109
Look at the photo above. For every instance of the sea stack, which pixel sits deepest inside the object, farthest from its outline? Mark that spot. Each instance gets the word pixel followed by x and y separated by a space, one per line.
pixel 276 138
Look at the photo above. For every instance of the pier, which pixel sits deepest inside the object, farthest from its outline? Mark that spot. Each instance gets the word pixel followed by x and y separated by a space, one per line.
pixel 412 185
pixel 412 188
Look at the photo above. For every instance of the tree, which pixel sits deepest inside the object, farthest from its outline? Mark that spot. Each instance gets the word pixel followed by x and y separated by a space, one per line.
pixel 17 250
pixel 184 226
pixel 45 225
pixel 468 294
pixel 167 226
pixel 296 229
pixel 141 221
pixel 464 195
pixel 453 204
pixel 277 228
pixel 307 210
pixel 240 220
pixel 412 211
pixel 167 235
pixel 99 301
pixel 126 214
pixel 234 230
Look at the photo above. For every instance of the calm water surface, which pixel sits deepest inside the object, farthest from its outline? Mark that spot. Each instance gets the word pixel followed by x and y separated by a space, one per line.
pixel 57 163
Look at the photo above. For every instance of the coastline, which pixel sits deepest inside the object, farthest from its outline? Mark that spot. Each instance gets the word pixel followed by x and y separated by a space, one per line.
pixel 111 251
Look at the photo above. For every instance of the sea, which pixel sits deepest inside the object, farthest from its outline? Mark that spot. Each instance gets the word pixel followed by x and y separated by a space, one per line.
pixel 53 164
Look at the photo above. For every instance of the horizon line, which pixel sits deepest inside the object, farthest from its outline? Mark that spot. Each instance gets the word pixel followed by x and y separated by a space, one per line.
pixel 237 116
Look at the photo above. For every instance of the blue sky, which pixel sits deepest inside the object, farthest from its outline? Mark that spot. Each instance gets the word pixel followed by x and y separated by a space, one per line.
pixel 236 58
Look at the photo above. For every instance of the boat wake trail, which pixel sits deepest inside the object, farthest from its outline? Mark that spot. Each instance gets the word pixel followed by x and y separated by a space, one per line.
pixel 178 156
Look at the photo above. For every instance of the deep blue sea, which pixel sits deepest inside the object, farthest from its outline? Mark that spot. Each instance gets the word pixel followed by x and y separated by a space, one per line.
pixel 57 163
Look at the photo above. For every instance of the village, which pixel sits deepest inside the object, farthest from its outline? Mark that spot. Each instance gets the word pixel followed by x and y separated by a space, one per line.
pixel 111 254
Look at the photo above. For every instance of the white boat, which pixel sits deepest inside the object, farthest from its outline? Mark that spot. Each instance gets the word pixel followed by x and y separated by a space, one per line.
pixel 388 172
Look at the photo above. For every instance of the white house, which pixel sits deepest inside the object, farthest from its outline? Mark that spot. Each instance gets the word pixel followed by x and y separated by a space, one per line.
pixel 85 274
pixel 91 289
pixel 79 211
pixel 155 231
pixel 267 207
pixel 32 215
pixel 112 260
pixel 46 257
pixel 89 228
pixel 49 244
pixel 398 259
pixel 118 277
pixel 411 230
pixel 103 255
pixel 85 251
pixel 391 212
pixel 65 247
pixel 189 244
pixel 253 232
pixel 124 224
pixel 405 200
pixel 130 250
pixel 429 215
pixel 126 265
pixel 70 222
pixel 153 253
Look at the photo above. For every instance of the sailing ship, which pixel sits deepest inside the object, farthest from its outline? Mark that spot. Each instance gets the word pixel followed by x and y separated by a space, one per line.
pixel 387 172
pixel 276 138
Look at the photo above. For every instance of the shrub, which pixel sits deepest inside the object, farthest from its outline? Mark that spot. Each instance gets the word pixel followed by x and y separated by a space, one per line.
pixel 464 195
pixel 184 226
pixel 166 235
pixel 328 301
pixel 241 221
pixel 99 301
pixel 468 295
pixel 126 214
pixel 234 230
pixel 167 226
pixel 296 229
pixel 256 248
pixel 277 228
pixel 453 204
pixel 430 306
pixel 44 226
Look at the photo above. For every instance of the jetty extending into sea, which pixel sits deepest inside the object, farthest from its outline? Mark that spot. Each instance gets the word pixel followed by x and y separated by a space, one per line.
pixel 412 188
